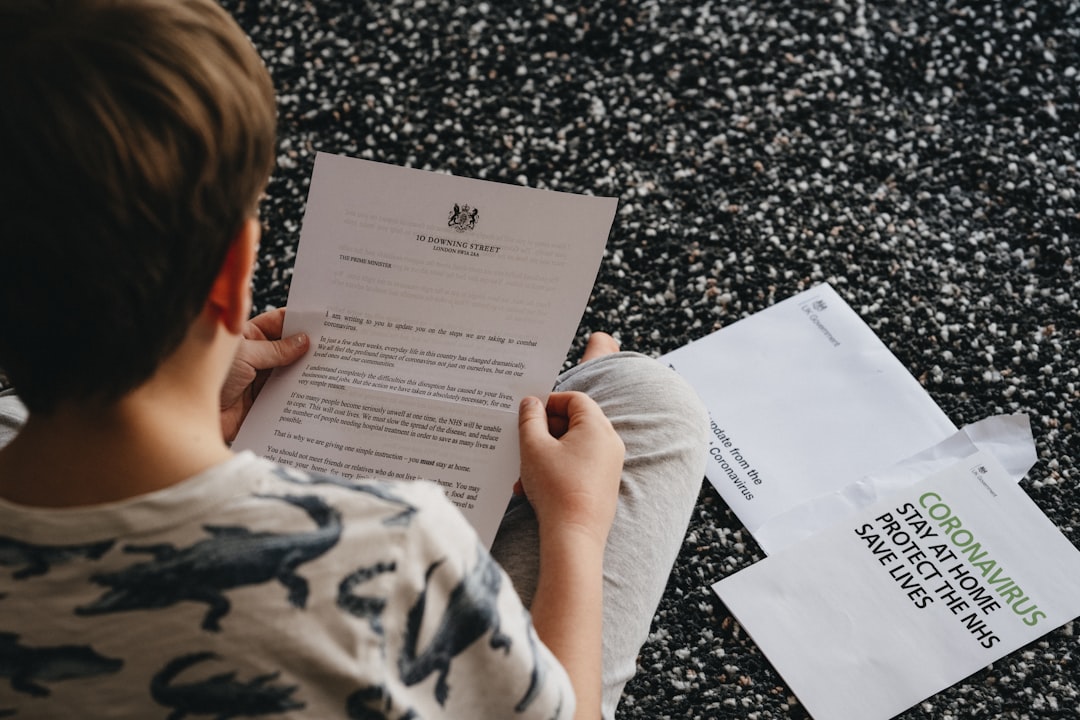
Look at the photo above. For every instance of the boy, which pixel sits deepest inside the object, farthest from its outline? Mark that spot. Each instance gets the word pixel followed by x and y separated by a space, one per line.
pixel 148 569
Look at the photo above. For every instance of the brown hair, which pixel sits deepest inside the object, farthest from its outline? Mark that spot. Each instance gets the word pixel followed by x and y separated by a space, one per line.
pixel 135 139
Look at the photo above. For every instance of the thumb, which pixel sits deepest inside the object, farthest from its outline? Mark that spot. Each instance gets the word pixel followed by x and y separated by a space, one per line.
pixel 269 354
pixel 532 422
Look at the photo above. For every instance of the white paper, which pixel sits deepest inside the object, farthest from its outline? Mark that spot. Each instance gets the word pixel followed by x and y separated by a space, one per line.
pixel 804 400
pixel 1007 437
pixel 434 304
pixel 912 595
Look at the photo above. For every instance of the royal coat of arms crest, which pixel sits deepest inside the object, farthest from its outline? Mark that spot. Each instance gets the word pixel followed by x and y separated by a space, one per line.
pixel 463 217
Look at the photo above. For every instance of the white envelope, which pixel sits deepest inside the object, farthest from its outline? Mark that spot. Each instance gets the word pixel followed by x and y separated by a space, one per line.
pixel 858 620
pixel 1006 437
pixel 805 400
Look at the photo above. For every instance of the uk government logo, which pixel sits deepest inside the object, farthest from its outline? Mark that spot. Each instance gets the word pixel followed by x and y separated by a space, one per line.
pixel 812 308
pixel 463 218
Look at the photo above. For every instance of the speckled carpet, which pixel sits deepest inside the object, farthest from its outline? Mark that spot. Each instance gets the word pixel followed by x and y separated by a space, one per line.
pixel 921 156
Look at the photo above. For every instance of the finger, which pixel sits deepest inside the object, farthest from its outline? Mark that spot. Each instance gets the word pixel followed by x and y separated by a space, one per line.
pixel 573 406
pixel 268 354
pixel 270 323
pixel 557 425
pixel 532 421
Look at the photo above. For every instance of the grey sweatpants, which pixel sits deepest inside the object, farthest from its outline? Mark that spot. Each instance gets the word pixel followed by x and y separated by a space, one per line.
pixel 663 425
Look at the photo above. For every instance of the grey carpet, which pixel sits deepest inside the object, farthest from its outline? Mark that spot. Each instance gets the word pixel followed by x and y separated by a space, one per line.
pixel 920 156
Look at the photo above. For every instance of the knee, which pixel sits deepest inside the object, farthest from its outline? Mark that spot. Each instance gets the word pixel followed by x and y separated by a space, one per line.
pixel 665 429
pixel 665 390
pixel 635 388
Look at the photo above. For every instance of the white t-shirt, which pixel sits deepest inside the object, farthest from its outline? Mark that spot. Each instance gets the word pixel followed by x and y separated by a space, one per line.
pixel 256 590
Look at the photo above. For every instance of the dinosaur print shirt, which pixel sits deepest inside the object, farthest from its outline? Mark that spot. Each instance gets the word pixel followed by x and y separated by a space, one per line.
pixel 252 590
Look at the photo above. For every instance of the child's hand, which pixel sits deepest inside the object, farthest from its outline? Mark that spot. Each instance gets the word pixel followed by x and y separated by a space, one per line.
pixel 571 462
pixel 261 350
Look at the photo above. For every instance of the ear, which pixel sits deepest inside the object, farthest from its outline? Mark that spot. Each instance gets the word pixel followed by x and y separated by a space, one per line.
pixel 230 296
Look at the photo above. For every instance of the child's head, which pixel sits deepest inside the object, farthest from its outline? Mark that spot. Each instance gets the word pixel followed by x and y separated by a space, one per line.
pixel 135 139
